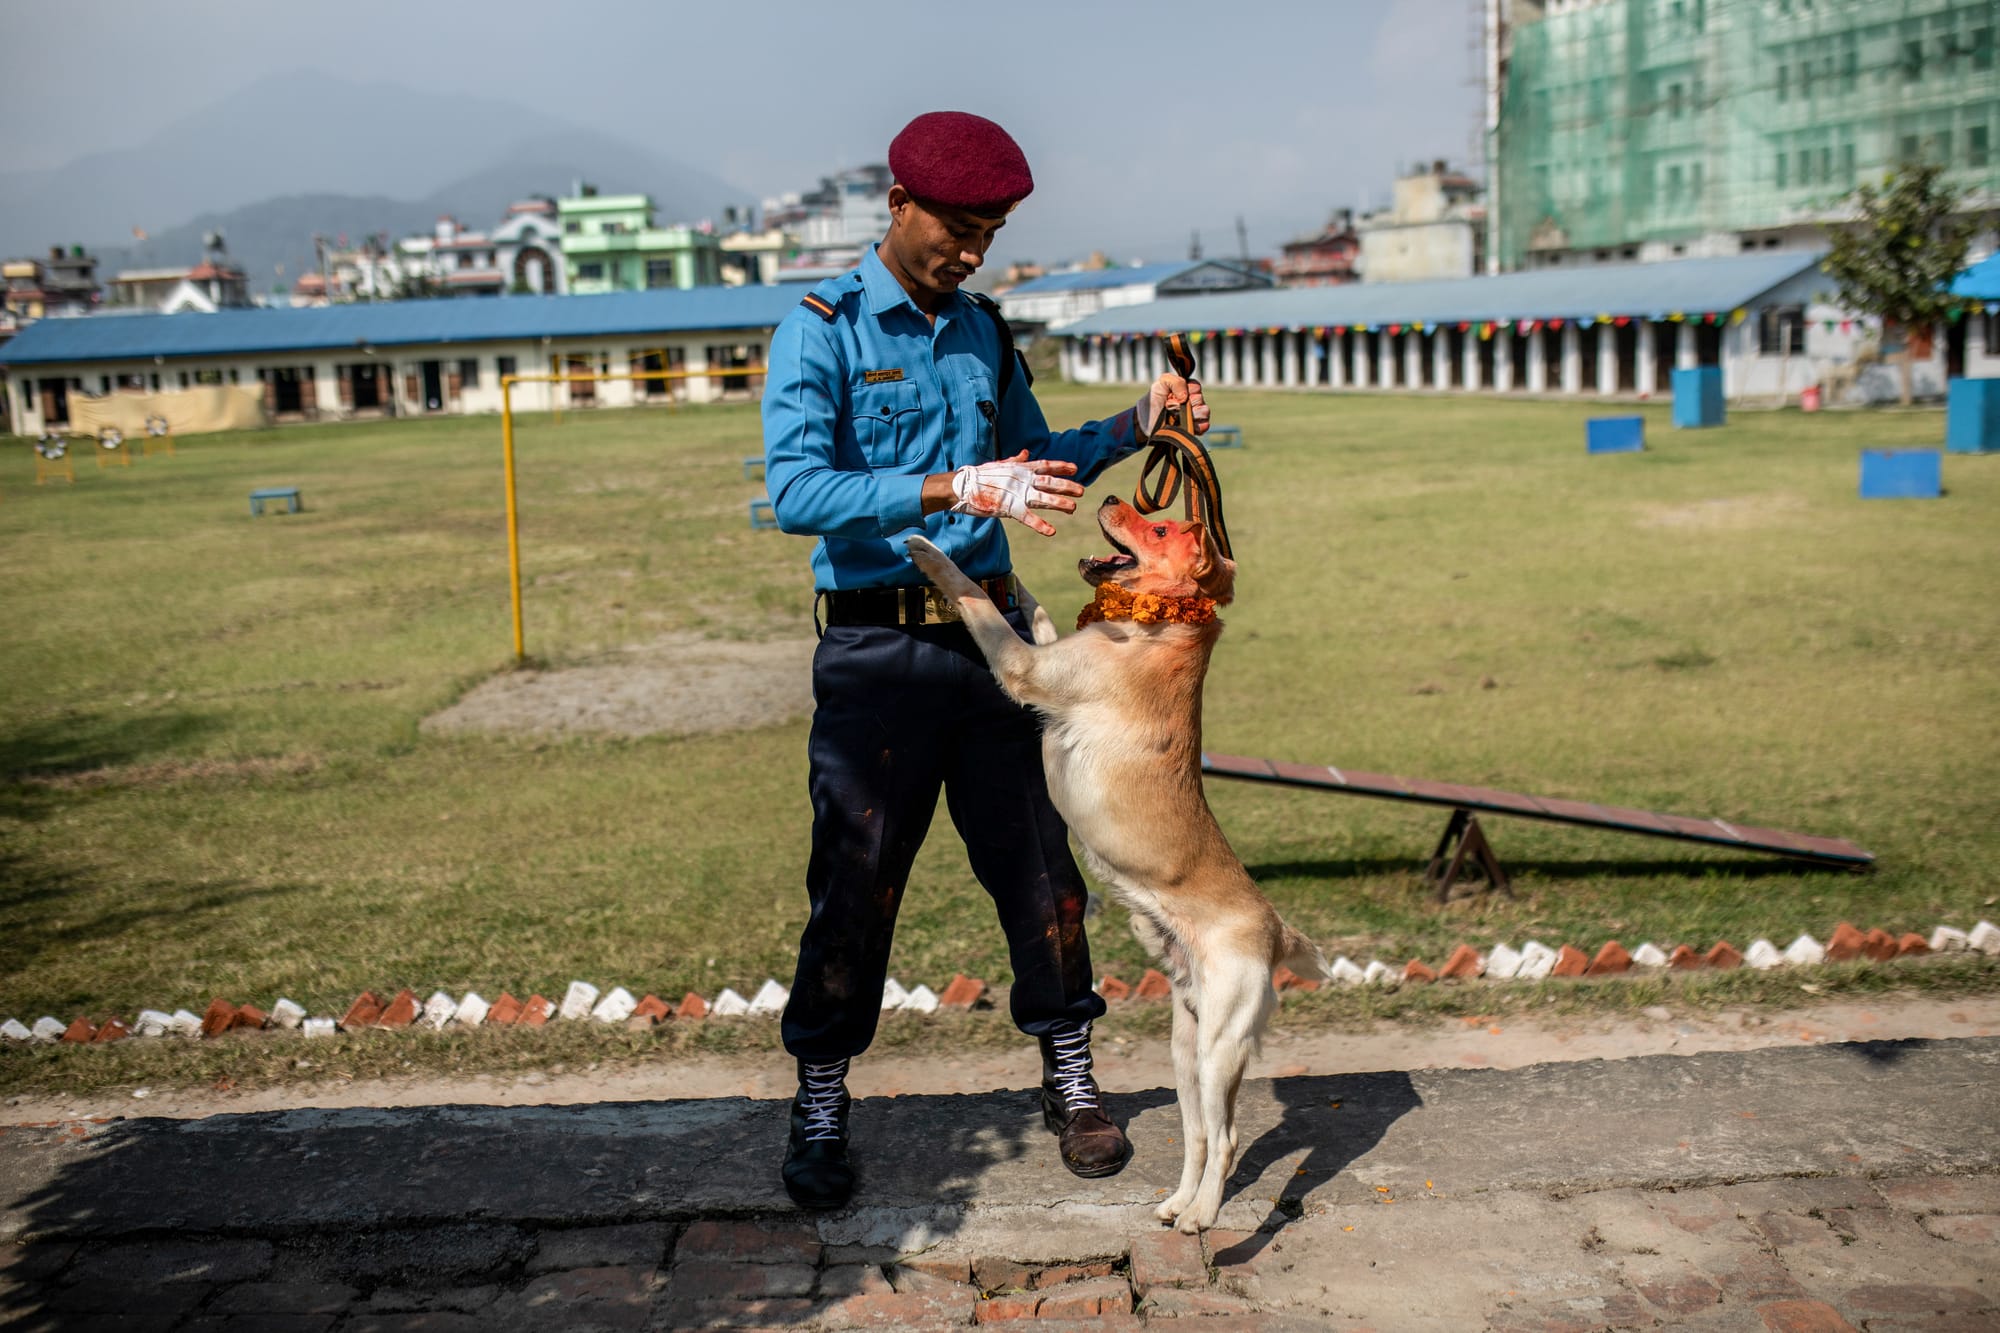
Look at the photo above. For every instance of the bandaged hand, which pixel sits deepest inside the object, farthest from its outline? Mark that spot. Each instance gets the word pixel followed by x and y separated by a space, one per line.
pixel 1167 392
pixel 1014 487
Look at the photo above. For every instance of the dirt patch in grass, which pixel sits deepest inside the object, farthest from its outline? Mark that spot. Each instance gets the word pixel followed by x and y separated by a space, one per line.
pixel 1732 513
pixel 173 772
pixel 678 685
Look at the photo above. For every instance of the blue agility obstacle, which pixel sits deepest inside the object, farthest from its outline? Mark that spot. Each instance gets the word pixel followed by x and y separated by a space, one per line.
pixel 1972 416
pixel 1614 435
pixel 1698 397
pixel 1901 474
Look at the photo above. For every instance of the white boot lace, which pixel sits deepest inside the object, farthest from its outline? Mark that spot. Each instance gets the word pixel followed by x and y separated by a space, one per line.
pixel 1072 1072
pixel 821 1088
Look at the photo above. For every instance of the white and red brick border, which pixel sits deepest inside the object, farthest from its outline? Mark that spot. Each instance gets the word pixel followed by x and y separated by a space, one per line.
pixel 1534 961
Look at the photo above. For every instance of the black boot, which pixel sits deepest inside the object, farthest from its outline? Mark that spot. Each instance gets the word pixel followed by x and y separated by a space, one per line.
pixel 1091 1145
pixel 816 1171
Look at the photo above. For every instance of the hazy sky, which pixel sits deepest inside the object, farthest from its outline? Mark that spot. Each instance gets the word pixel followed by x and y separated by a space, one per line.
pixel 1275 112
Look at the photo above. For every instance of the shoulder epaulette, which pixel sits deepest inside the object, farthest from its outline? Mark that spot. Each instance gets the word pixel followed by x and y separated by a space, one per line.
pixel 824 300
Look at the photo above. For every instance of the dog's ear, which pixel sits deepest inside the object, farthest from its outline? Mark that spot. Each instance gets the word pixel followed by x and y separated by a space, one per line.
pixel 1214 574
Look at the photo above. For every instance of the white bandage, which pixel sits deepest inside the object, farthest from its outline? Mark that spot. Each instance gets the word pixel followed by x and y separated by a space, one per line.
pixel 994 490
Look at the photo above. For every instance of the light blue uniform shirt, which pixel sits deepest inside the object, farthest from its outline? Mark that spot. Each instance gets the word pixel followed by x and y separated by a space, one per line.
pixel 860 408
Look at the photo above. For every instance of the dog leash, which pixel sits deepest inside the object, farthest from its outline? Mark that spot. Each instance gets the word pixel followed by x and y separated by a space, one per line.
pixel 1178 459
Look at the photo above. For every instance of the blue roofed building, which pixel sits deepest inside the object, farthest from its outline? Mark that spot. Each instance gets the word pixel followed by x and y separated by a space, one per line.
pixel 1057 300
pixel 398 358
pixel 1768 320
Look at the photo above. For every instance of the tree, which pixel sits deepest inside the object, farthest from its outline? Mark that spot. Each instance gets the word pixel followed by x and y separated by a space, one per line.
pixel 1897 258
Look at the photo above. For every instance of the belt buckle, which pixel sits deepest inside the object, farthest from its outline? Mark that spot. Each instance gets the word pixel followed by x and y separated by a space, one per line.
pixel 939 607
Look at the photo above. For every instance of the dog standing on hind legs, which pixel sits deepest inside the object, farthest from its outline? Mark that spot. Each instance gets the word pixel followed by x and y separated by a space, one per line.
pixel 1121 742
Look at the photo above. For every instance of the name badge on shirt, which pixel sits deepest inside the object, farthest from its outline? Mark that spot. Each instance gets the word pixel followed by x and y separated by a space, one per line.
pixel 882 376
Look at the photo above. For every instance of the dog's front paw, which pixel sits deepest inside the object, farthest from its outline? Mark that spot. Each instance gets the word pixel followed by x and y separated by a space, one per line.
pixel 938 567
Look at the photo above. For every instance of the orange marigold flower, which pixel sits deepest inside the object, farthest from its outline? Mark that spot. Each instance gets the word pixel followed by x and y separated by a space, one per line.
pixel 1145 608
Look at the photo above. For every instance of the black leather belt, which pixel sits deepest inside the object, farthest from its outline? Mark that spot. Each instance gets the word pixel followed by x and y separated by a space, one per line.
pixel 907 606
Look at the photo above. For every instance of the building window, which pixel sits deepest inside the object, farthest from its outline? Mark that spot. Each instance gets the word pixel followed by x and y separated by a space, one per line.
pixel 1989 328
pixel 592 272
pixel 1674 100
pixel 1847 163
pixel 503 366
pixel 468 372
pixel 1910 151
pixel 1805 166
pixel 1781 329
pixel 1982 48
pixel 1913 60
pixel 1784 161
pixel 1673 184
pixel 1784 82
pixel 1975 146
pixel 1694 180
pixel 659 273
pixel 1825 165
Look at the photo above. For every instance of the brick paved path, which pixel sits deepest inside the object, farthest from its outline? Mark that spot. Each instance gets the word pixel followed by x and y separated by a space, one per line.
pixel 1834 1189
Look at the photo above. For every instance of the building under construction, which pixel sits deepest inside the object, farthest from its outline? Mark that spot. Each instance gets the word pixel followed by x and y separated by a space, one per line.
pixel 1622 130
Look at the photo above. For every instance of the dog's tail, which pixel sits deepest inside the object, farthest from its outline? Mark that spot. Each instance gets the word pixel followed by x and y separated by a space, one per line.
pixel 1301 955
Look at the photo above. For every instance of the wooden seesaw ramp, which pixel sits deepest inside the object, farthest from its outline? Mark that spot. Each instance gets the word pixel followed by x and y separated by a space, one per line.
pixel 1463 839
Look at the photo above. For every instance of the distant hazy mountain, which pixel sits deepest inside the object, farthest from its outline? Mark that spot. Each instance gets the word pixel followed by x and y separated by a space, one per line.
pixel 307 152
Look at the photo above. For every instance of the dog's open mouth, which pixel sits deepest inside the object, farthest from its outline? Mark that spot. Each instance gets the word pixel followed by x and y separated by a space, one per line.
pixel 1096 568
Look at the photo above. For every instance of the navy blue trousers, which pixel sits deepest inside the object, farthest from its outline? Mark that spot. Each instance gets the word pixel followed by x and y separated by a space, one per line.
pixel 900 715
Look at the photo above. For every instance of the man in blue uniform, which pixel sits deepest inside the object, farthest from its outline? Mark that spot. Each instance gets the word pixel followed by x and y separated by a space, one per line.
pixel 895 404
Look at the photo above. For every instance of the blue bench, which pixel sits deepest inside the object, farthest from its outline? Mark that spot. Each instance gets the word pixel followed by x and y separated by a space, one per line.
pixel 762 515
pixel 289 494
pixel 750 461
pixel 1223 437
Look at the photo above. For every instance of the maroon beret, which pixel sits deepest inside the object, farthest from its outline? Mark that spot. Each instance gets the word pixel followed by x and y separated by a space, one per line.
pixel 961 161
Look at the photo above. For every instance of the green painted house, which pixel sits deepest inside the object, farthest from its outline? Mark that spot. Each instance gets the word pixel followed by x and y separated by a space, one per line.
pixel 610 244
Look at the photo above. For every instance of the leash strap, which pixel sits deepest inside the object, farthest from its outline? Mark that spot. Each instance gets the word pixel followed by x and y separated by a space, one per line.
pixel 1178 459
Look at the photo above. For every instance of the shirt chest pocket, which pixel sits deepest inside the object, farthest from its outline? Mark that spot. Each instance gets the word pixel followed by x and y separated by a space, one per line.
pixel 888 421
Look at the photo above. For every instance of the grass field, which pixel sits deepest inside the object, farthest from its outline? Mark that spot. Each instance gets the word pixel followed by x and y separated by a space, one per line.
pixel 212 779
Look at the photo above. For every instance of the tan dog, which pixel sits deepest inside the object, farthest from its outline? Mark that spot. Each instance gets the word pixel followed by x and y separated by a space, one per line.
pixel 1121 742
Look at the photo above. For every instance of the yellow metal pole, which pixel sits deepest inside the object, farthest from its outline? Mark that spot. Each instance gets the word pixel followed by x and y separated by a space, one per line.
pixel 513 514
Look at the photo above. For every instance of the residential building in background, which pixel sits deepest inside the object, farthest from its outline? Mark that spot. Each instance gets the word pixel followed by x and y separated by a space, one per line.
pixel 520 257
pixel 1623 130
pixel 212 285
pixel 610 244
pixel 849 210
pixel 1435 228
pixel 1323 258
pixel 65 283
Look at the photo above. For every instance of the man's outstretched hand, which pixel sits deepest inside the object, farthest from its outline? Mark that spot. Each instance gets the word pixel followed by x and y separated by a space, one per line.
pixel 1014 488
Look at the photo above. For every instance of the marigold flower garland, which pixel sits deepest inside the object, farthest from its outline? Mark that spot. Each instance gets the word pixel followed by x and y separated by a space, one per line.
pixel 1145 608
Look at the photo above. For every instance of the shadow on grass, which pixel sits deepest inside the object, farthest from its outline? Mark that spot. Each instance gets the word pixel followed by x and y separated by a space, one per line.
pixel 35 756
pixel 1595 868
pixel 49 910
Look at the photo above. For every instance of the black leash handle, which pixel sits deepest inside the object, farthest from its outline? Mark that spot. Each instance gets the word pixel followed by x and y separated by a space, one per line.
pixel 1178 456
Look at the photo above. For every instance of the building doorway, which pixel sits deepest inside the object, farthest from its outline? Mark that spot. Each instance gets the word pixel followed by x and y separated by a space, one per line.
pixel 433 376
pixel 367 387
pixel 55 402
